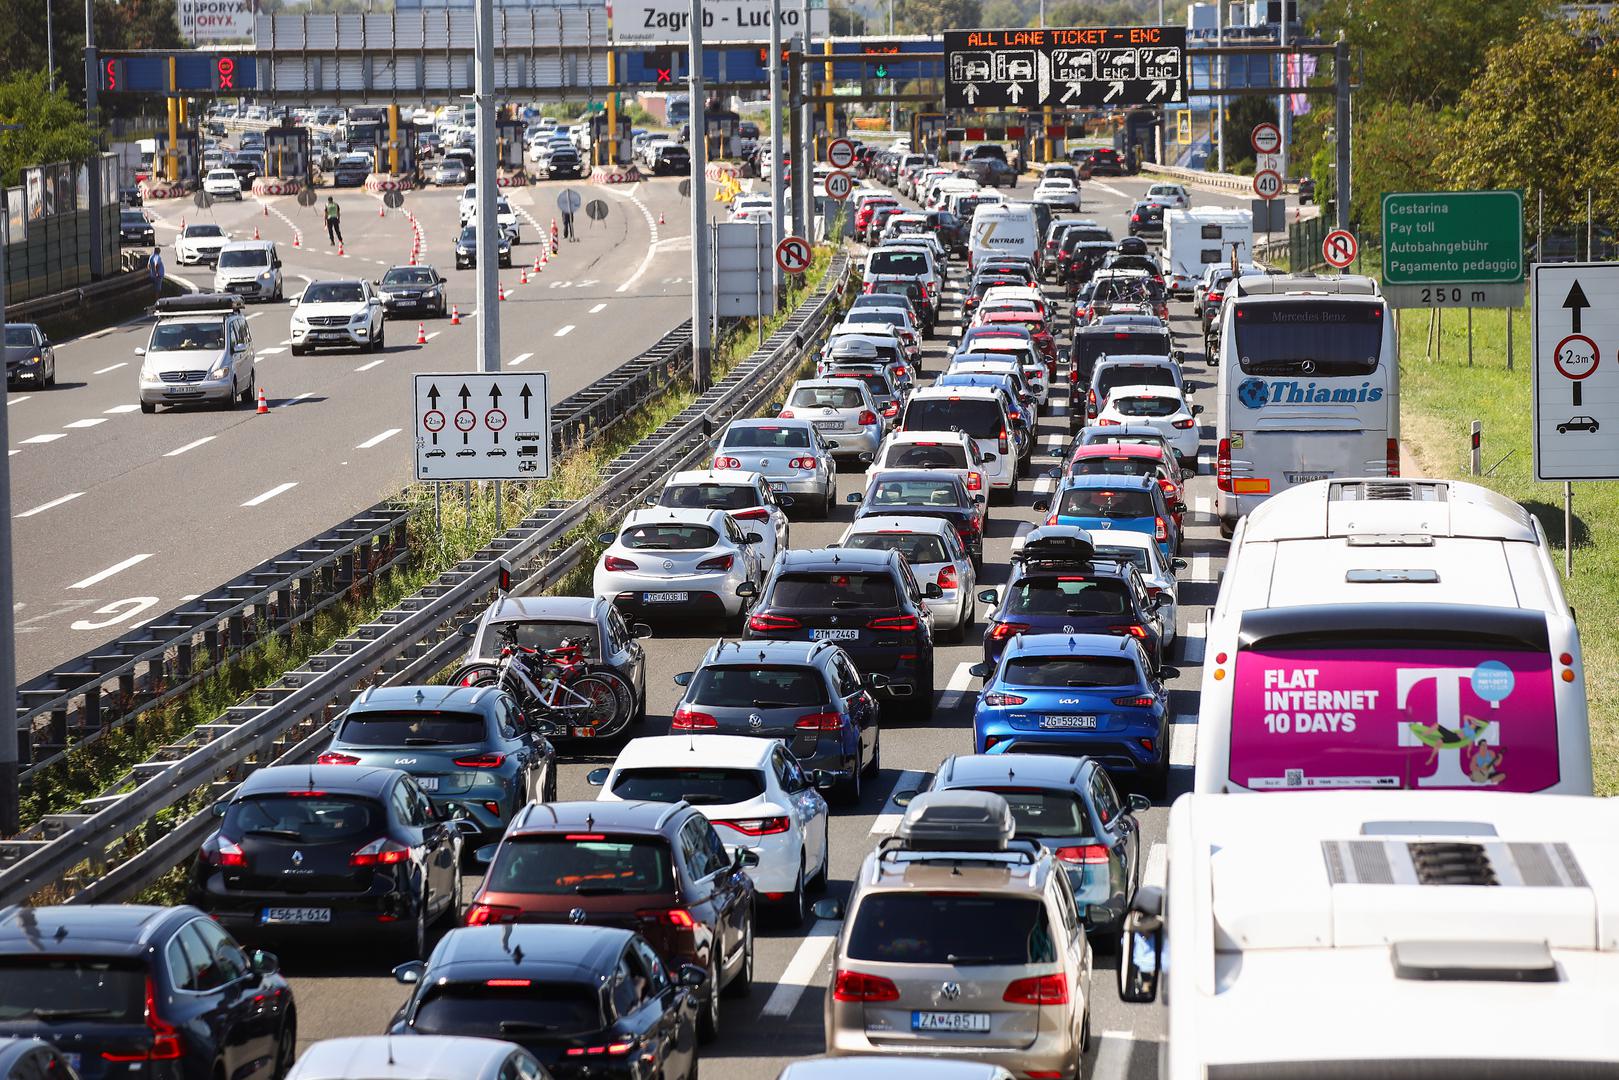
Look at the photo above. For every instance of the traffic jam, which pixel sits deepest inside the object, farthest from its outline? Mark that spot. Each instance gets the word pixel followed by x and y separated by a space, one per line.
pixel 1079 514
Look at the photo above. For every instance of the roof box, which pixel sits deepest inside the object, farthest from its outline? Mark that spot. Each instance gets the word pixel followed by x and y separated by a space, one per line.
pixel 198 303
pixel 1057 544
pixel 957 821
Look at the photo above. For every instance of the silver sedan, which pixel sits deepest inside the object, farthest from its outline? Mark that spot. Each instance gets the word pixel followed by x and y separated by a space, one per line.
pixel 790 454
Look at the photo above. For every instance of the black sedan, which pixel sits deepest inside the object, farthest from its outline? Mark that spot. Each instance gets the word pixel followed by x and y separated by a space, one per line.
pixel 333 852
pixel 1147 219
pixel 133 228
pixel 129 990
pixel 926 493
pixel 413 291
pixel 466 248
pixel 590 1002
pixel 30 359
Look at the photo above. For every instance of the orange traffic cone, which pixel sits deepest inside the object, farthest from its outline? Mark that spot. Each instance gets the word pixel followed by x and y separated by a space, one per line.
pixel 421 333
pixel 660 217
pixel 500 292
pixel 524 279
pixel 545 259
pixel 264 405
pixel 382 211
pixel 340 247
pixel 455 314
pixel 537 264
pixel 255 232
pixel 266 209
pixel 413 258
pixel 294 239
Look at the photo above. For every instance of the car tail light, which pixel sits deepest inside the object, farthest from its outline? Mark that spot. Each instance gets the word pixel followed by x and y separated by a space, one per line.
pixel 1167 485
pixel 718 562
pixel 1393 459
pixel 226 853
pixel 1212 298
pixel 1105 422
pixel 727 463
pixel 763 826
pixel 892 410
pixel 613 562
pixel 1135 217
pixel 688 719
pixel 821 721
pixel 975 481
pixel 1084 854
pixel 998 698
pixel 858 986
pixel 1002 444
pixel 1038 990
pixel 1090 404
pixel 490 914
pixel 1160 530
pixel 506 984
pixel 676 917
pixel 618 1049
pixel 905 623
pixel 1135 630
pixel 167 1044
pixel 758 513
pixel 1183 424
pixel 871 287
pixel 801 463
pixel 1004 631
pixel 785 414
pixel 332 757
pixel 768 622
pixel 380 852
pixel 481 761
pixel 901 371
pixel 947 578
pixel 1222 465
pixel 1139 701
pixel 867 417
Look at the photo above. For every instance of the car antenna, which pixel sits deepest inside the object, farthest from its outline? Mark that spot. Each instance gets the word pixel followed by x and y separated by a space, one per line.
pixel 390 1049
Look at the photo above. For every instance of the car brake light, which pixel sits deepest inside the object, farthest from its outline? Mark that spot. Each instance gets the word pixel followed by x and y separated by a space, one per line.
pixel 678 917
pixel 821 721
pixel 858 986
pixel 380 852
pixel 332 757
pixel 975 481
pixel 947 578
pixel 167 1044
pixel 766 826
pixel 508 983
pixel 1222 465
pixel 892 410
pixel 617 1049
pixel 785 414
pixel 1393 460
pixel 613 562
pixel 1038 990
pixel 801 463
pixel 490 914
pixel 1001 444
pixel 228 854
pixel 758 513
pixel 1160 530
pixel 1183 424
pixel 906 623
pixel 727 463
pixel 1105 422
pixel 1213 298
pixel 769 622
pixel 867 417
pixel 1084 854
pixel 688 719
pixel 1140 701
pixel 1135 217
pixel 1167 484
pixel 998 698
pixel 718 562
pixel 1135 630
pixel 1003 631
pixel 482 761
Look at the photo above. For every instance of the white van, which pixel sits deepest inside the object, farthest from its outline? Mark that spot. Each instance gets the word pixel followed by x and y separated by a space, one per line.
pixel 1004 229
pixel 1351 934
pixel 1193 239
pixel 1392 633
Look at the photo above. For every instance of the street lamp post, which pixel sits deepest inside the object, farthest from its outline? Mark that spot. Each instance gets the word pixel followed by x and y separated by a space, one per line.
pixel 9 741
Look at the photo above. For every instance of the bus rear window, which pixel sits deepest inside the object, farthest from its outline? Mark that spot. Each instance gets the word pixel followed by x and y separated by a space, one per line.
pixel 1320 338
pixel 1411 716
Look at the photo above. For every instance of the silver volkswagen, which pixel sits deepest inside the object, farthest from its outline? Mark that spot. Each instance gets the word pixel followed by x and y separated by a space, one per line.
pixel 842 410
pixel 789 453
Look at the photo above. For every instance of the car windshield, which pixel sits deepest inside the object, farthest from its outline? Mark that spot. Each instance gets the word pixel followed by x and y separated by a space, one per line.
pixel 958 928
pixel 222 174
pixel 926 456
pixel 1107 503
pixel 838 589
pixel 918 548
pixel 19 335
pixel 757 686
pixel 1043 815
pixel 826 397
pixel 1146 406
pixel 709 496
pixel 186 336
pixel 513 1009
pixel 334 293
pixel 305 817
pixel 244 257
pixel 1136 556
pixel 902 262
pixel 1076 672
pixel 1069 594
pixel 193 231
pixel 132 217
pixel 581 863
pixel 408 276
pixel 698 786
pixel 768 437
pixel 979 417
pixel 914 493
pixel 412 728
pixel 49 987
pixel 669 536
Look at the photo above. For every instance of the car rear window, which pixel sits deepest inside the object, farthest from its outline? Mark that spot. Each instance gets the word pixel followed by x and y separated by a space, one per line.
pixel 709 496
pixel 72 989
pixel 768 437
pixel 889 316
pixel 979 417
pixel 1041 815
pixel 875 383
pixel 926 456
pixel 1108 503
pixel 535 634
pixel 1146 406
pixel 1077 672
pixel 902 263
pixel 913 493
pixel 1114 465
pixel 700 787
pixel 412 728
pixel 918 548
pixel 516 1008
pixel 313 817
pixel 757 687
pixel 1136 556
pixel 584 864
pixel 1088 347
pixel 826 397
pixel 834 589
pixel 1132 375
pixel 1069 595
pixel 951 928
pixel 669 536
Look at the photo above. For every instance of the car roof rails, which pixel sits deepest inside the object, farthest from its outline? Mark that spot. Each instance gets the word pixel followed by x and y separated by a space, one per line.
pixel 961 824
pixel 199 304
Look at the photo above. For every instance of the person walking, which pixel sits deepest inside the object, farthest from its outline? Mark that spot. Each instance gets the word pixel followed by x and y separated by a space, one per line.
pixel 154 268
pixel 567 225
pixel 334 223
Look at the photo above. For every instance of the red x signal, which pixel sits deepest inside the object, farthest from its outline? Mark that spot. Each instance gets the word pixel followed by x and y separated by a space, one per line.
pixel 666 75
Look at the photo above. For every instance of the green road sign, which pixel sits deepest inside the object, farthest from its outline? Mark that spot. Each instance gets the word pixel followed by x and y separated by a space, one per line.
pixel 1453 237
pixel 882 71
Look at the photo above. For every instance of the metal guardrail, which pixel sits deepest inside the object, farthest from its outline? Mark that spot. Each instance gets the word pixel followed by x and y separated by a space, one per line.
pixel 1223 181
pixel 121 843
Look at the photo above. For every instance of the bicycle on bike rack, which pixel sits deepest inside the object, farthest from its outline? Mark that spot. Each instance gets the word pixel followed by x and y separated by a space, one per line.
pixel 563 694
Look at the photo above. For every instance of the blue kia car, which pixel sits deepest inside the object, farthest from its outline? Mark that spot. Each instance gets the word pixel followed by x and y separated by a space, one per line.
pixel 1136 503
pixel 1060 586
pixel 1092 694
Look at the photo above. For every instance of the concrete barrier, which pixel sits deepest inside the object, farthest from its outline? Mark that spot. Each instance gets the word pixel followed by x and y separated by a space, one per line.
pixel 719 170
pixel 275 185
pixel 163 189
pixel 615 174
pixel 377 183
pixel 515 178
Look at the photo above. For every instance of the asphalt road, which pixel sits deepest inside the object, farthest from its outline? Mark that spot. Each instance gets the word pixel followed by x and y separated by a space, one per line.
pixel 348 991
pixel 120 516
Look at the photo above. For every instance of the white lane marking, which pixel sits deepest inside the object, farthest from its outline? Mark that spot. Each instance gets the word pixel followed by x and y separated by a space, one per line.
pixel 90 422
pixel 186 599
pixel 434 334
pixel 117 410
pixel 956 688
pixel 1205 464
pixel 887 821
pixel 368 367
pixel 597 308
pixel 1024 528
pixel 1054 442
pixel 12 453
pixel 1203 506
pixel 565 331
pixel 1193 642
pixel 1183 741
pixel 1113 1050
pixel 255 315
pixel 115 367
pixel 1156 871
pixel 652 245
pixel 189 446
pixel 375 439
pixel 275 351
pixel 42 507
pixel 1111 190
pixel 1200 569
pixel 272 493
pixel 52 437
pixel 520 358
pixel 1045 485
pixel 802 968
pixel 110 571
pixel 18 400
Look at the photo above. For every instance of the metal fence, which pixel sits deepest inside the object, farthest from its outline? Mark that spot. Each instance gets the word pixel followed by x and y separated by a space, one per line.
pixel 45 229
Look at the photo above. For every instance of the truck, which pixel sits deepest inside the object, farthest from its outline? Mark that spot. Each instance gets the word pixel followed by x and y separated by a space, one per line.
pixel 1195 238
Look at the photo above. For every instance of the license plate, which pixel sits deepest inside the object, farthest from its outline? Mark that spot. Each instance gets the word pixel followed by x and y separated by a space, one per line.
pixel 296 915
pixel 427 783
pixel 778 485
pixel 665 597
pixel 325 337
pixel 1068 722
pixel 829 425
pixel 835 635
pixel 1305 477
pixel 172 392
pixel 404 303
pixel 949 1021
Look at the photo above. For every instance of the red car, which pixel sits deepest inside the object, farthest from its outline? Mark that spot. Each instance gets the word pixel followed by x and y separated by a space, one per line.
pixel 862 217
pixel 1125 459
pixel 1035 324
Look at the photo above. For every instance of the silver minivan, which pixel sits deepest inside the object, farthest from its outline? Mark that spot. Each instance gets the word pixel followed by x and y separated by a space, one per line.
pixel 249 269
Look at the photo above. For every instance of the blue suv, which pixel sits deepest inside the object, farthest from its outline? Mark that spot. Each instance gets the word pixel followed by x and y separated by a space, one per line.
pixel 1092 694
pixel 1135 503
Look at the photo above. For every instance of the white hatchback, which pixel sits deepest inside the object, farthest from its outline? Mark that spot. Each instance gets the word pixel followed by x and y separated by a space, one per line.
pixel 1158 573
pixel 1162 408
pixel 672 562
pixel 222 184
pixel 746 496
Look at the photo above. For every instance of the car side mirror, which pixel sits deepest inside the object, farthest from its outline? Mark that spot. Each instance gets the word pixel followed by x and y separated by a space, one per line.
pixel 931 590
pixel 745 859
pixel 1179 508
pixel 410 972
pixel 1179 356
pixel 1141 946
pixel 604 538
pixel 640 630
pixel 597 777
pixel 854 497
pixel 747 590
pixel 1139 804
pixel 486 854
pixel 219 808
pixel 650 500
pixel 465 826
pixel 827 909
pixel 867 458
pixel 140 351
pixel 784 500
pixel 830 444
pixel 978 499
pixel 904 797
pixel 991 457
pixel 755 538
pixel 693 976
pixel 1042 507
pixel 684 678
pixel 774 406
pixel 265 963
pixel 981 671
pixel 989 596
pixel 1178 564
pixel 468 628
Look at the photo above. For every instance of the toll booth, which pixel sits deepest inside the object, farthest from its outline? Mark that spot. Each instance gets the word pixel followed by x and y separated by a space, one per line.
pixel 509 143
pixel 724 134
pixel 187 155
pixel 287 153
pixel 409 149
pixel 610 148
pixel 1137 139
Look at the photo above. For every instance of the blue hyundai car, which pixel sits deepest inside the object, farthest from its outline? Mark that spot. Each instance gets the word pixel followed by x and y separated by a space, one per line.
pixel 1091 694
pixel 1135 503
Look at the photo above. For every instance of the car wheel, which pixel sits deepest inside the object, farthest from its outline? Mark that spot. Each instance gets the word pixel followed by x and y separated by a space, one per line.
pixel 741 983
pixel 849 790
pixel 50 378
pixel 235 398
pixel 413 938
pixel 148 408
pixel 286 1047
pixel 793 908
pixel 252 388
pixel 708 1023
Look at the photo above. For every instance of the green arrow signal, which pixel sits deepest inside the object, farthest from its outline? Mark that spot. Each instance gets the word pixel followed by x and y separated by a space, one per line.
pixel 882 71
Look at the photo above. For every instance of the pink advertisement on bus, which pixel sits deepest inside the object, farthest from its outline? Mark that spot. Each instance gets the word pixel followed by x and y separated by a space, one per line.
pixel 1374 718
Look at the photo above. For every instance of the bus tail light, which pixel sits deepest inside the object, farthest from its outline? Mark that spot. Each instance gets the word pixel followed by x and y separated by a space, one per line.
pixel 1393 453
pixel 1222 465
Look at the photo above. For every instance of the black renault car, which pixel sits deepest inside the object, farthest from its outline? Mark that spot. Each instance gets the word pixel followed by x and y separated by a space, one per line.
pixel 591 1002
pixel 129 990
pixel 868 602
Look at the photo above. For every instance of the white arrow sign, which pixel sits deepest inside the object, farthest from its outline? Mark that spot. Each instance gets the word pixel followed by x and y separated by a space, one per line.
pixel 1014 92
pixel 1073 88
pixel 1114 89
pixel 1157 90
pixel 970 93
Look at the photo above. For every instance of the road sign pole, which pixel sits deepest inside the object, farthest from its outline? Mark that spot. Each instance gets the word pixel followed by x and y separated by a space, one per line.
pixel 1219 103
pixel 804 163
pixel 1341 135
pixel 1285 113
pixel 485 163
pixel 10 741
pixel 701 271
pixel 795 122
pixel 92 82
pixel 777 223
pixel 1568 529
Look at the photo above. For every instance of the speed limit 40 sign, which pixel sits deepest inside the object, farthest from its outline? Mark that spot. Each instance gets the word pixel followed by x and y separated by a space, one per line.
pixel 1267 184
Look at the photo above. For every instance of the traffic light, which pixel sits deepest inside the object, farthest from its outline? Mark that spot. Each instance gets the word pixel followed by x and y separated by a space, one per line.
pixel 222 74
pixel 662 66
pixel 113 77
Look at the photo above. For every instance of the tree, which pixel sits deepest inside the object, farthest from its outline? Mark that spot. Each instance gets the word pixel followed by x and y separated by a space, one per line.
pixel 848 21
pixel 1242 115
pixel 932 16
pixel 53 127
pixel 1396 147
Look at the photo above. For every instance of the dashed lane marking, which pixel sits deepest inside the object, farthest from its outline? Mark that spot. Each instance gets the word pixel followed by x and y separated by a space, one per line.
pixel 120 409
pixel 279 489
pixel 116 568
pixel 177 451
pixel 42 507
pixel 802 968
pixel 887 821
pixel 52 437
pixel 565 331
pixel 90 422
pixel 520 358
pixel 368 367
pixel 1183 741
pixel 114 367
pixel 375 439
pixel 956 688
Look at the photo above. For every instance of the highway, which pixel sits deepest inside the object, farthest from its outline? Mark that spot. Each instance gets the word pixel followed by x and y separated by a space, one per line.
pixel 348 991
pixel 120 516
